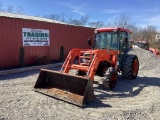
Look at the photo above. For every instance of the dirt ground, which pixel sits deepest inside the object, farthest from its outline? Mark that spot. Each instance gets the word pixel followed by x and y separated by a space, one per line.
pixel 137 99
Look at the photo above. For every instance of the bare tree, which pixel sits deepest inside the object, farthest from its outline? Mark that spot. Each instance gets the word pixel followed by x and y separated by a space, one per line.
pixel 19 10
pixel 109 25
pixel 97 24
pixel 151 32
pixel 81 21
pixel 52 16
pixel 135 29
pixel 59 17
pixel 121 21
pixel 10 9
pixel 37 15
pixel 63 17
pixel 84 19
pixel 74 21
pixel 147 33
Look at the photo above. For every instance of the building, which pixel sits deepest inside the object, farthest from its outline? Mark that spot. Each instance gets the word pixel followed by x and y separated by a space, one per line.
pixel 157 37
pixel 38 37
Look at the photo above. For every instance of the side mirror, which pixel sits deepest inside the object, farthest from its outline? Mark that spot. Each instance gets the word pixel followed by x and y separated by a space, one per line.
pixel 89 42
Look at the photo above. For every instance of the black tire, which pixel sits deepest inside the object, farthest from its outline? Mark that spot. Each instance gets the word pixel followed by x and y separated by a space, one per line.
pixel 130 67
pixel 109 80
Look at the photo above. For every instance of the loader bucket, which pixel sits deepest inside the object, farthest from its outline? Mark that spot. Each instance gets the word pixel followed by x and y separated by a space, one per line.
pixel 73 89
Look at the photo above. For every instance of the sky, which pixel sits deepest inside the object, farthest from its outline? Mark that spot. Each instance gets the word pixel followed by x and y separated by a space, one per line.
pixel 141 12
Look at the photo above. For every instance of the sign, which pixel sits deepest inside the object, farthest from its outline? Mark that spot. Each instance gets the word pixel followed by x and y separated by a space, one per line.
pixel 35 37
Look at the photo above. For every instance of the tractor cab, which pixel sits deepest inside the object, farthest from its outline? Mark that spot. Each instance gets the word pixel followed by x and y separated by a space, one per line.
pixel 106 40
pixel 112 39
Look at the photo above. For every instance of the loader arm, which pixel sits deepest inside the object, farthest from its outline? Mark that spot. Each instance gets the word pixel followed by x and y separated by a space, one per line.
pixel 70 59
pixel 98 56
pixel 101 55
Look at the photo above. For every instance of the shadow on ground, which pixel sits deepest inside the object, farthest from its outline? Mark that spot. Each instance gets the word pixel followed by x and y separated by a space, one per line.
pixel 123 89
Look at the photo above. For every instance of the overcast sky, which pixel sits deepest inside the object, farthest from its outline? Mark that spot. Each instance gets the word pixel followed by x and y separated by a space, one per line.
pixel 141 12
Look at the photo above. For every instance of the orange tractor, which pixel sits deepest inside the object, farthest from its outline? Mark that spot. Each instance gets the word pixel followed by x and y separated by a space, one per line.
pixel 155 51
pixel 145 45
pixel 108 57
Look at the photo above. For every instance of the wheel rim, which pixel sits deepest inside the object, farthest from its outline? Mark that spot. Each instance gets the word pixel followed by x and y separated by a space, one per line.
pixel 135 67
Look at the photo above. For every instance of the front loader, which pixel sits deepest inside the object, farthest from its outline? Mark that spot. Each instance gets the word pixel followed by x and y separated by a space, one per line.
pixel 107 58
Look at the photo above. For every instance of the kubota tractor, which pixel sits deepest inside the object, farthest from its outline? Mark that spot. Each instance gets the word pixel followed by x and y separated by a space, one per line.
pixel 108 57
pixel 145 45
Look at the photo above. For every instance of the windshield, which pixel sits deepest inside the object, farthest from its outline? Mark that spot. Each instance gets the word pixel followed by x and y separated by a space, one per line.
pixel 106 40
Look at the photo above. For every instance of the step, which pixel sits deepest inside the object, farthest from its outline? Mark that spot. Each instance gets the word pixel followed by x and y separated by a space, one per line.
pixel 85 57
pixel 79 67
pixel 86 64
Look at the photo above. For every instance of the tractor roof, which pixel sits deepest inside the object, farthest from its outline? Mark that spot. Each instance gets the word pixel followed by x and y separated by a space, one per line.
pixel 112 29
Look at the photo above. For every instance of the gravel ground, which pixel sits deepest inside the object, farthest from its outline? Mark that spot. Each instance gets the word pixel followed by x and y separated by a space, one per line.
pixel 131 99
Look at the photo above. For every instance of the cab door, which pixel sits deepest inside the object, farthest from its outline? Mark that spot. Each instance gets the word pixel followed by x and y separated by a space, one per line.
pixel 123 46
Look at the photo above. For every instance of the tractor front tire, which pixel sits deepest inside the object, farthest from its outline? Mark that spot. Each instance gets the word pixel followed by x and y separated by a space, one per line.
pixel 130 67
pixel 109 80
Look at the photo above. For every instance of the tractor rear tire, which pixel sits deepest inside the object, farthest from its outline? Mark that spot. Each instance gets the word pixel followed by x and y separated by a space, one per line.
pixel 109 80
pixel 130 67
